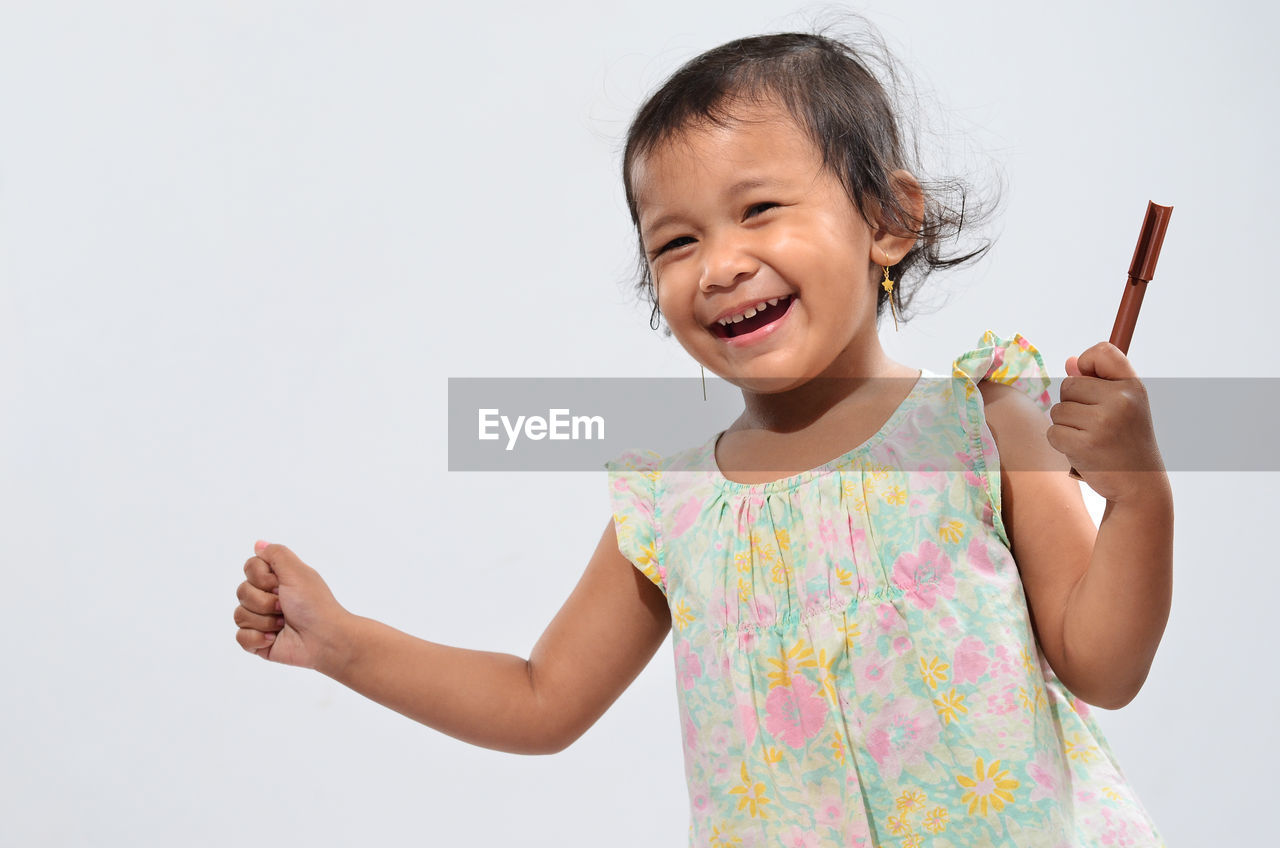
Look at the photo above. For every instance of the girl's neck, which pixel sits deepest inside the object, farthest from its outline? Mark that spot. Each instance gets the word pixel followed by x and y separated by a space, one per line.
pixel 855 377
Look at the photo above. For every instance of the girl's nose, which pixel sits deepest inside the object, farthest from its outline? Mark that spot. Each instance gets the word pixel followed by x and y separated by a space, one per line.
pixel 726 263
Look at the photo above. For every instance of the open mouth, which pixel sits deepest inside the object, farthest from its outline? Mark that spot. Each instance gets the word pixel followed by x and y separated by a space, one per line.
pixel 762 318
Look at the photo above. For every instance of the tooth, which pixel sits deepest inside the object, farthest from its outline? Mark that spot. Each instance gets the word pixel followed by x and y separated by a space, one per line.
pixel 749 313
pixel 774 302
pixel 737 319
pixel 724 322
pixel 760 307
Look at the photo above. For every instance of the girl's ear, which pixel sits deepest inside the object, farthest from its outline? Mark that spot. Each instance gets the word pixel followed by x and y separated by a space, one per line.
pixel 891 240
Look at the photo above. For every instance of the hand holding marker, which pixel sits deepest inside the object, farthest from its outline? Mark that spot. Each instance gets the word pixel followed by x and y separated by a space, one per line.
pixel 1141 271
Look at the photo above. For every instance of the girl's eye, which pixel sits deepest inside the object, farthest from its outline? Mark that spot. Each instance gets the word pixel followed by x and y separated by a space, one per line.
pixel 673 244
pixel 760 207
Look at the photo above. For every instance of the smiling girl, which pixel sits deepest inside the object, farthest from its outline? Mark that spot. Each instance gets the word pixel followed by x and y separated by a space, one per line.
pixel 890 609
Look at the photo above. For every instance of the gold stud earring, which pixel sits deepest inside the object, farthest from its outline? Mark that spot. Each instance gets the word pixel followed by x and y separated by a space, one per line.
pixel 888 286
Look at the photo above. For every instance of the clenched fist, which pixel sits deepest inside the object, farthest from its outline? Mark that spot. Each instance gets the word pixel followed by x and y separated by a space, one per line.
pixel 287 613
pixel 1103 425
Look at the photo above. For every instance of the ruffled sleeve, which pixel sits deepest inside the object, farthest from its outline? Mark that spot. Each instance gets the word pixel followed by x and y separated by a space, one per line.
pixel 1014 362
pixel 634 477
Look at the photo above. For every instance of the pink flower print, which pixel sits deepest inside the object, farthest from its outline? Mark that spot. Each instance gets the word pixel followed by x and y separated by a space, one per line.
pixel 901 734
pixel 690 737
pixel 797 838
pixel 827 531
pixel 1004 664
pixel 747 721
pixel 886 616
pixel 686 515
pixel 830 812
pixel 1117 833
pixel 1041 770
pixel 980 558
pixel 688 666
pixel 1002 702
pixel 924 575
pixel 871 675
pixel 901 645
pixel 700 798
pixel 857 540
pixel 970 661
pixel 795 713
pixel 765 615
pixel 949 624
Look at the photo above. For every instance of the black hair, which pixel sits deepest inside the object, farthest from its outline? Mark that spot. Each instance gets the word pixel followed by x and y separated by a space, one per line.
pixel 828 87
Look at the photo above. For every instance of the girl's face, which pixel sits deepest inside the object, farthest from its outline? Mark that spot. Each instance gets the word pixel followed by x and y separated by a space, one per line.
pixel 741 215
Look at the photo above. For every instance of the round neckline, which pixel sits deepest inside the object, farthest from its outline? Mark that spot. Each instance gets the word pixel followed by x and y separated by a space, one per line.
pixel 890 424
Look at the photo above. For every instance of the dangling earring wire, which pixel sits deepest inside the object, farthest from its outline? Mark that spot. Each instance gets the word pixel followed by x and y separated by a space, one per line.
pixel 704 381
pixel 888 286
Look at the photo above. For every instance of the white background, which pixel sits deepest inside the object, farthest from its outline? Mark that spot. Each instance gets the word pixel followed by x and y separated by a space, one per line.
pixel 244 245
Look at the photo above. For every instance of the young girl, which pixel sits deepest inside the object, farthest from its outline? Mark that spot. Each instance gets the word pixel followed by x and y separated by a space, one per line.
pixel 890 607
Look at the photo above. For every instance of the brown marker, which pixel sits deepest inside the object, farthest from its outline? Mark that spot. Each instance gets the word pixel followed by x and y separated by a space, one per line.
pixel 1141 271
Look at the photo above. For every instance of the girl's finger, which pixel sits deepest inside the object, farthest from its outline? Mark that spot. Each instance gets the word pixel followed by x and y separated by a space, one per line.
pixel 255 641
pixel 257 600
pixel 261 575
pixel 251 620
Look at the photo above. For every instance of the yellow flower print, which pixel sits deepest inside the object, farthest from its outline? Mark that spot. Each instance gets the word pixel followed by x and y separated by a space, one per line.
pixel 682 615
pixel 1111 793
pixel 952 531
pixel 1028 662
pixel 950 705
pixel 896 496
pixel 1032 701
pixel 935 821
pixel 781 573
pixel 784 539
pixel 910 801
pixel 744 589
pixel 742 561
pixel 851 631
pixel 798 656
pixel 898 825
pixel 646 556
pixel 753 797
pixel 837 745
pixel 763 549
pixel 722 835
pixel 844 576
pixel 988 788
pixel 912 840
pixel 773 756
pixel 933 671
pixel 827 678
pixel 880 471
pixel 1079 749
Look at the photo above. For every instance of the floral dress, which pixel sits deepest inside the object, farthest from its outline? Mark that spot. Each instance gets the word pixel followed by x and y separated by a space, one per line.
pixel 855 661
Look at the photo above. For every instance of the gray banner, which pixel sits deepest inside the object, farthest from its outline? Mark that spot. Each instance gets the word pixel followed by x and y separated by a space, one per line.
pixel 553 424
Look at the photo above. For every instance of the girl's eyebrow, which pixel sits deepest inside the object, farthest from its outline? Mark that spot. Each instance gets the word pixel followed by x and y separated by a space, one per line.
pixel 734 190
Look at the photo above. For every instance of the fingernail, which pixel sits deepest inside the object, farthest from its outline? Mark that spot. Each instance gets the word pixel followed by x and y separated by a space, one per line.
pixel 277 605
pixel 260 545
pixel 271 637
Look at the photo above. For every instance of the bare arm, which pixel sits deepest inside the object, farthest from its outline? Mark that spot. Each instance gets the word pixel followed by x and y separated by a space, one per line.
pixel 1099 597
pixel 606 632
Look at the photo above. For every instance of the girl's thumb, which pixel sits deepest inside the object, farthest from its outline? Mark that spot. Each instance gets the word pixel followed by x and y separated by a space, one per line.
pixel 274 555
